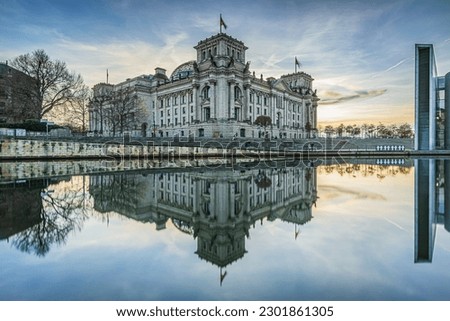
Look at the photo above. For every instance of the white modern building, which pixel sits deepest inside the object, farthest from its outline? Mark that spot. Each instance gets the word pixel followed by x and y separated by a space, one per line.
pixel 216 95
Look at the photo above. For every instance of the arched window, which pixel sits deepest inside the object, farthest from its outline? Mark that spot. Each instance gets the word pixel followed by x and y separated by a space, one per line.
pixel 205 93
pixel 237 93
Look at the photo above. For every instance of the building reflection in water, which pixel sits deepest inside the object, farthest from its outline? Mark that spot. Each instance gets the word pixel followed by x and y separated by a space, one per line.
pixel 216 207
pixel 432 204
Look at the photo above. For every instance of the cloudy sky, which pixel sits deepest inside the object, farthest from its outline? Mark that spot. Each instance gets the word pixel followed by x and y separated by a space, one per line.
pixel 360 53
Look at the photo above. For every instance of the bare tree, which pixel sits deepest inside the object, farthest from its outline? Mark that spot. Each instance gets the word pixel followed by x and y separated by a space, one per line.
pixel 405 131
pixel 101 96
pixel 125 111
pixel 349 130
pixel 78 109
pixel 55 85
pixel 59 215
pixel 340 130
pixel 329 130
pixel 356 130
pixel 371 129
pixel 75 113
pixel 263 121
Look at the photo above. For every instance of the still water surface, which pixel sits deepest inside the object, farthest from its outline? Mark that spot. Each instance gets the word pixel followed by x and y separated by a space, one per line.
pixel 335 232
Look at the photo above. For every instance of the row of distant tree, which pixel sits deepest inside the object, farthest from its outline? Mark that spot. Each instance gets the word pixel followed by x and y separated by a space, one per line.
pixel 381 171
pixel 369 130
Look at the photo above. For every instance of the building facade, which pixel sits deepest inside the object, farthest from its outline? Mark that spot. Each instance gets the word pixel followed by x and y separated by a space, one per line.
pixel 216 95
pixel 17 102
pixel 432 102
pixel 217 208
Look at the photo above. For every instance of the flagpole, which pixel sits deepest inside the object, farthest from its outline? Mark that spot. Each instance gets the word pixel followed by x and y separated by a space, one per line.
pixel 295 64
pixel 220 23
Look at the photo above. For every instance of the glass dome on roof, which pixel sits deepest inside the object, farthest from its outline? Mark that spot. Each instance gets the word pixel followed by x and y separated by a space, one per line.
pixel 184 70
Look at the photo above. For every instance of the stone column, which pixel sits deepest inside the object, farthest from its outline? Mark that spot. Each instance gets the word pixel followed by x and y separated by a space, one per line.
pixel 231 84
pixel 195 102
pixel 212 98
pixel 246 102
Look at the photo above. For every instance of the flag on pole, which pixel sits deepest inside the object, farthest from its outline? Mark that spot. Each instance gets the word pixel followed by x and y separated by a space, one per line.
pixel 222 23
pixel 297 64
pixel 107 76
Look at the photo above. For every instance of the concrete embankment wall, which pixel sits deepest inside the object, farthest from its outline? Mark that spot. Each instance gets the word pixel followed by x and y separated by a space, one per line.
pixel 23 149
pixel 11 149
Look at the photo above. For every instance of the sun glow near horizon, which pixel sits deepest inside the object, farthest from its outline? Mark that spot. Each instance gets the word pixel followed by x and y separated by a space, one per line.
pixel 360 54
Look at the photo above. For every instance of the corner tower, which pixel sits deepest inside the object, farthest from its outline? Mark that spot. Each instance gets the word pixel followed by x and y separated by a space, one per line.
pixel 220 50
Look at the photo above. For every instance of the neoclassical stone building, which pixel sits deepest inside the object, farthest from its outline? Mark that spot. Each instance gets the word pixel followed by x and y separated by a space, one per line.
pixel 218 208
pixel 214 96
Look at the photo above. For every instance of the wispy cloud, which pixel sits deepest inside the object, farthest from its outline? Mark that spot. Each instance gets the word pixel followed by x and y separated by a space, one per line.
pixel 124 59
pixel 354 50
pixel 331 97
pixel 391 67
pixel 333 191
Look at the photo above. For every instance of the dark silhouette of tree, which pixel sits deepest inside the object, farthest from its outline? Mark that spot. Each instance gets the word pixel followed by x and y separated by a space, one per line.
pixel 340 130
pixel 55 85
pixel 59 216
pixel 356 130
pixel 329 130
pixel 263 121
pixel 405 131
